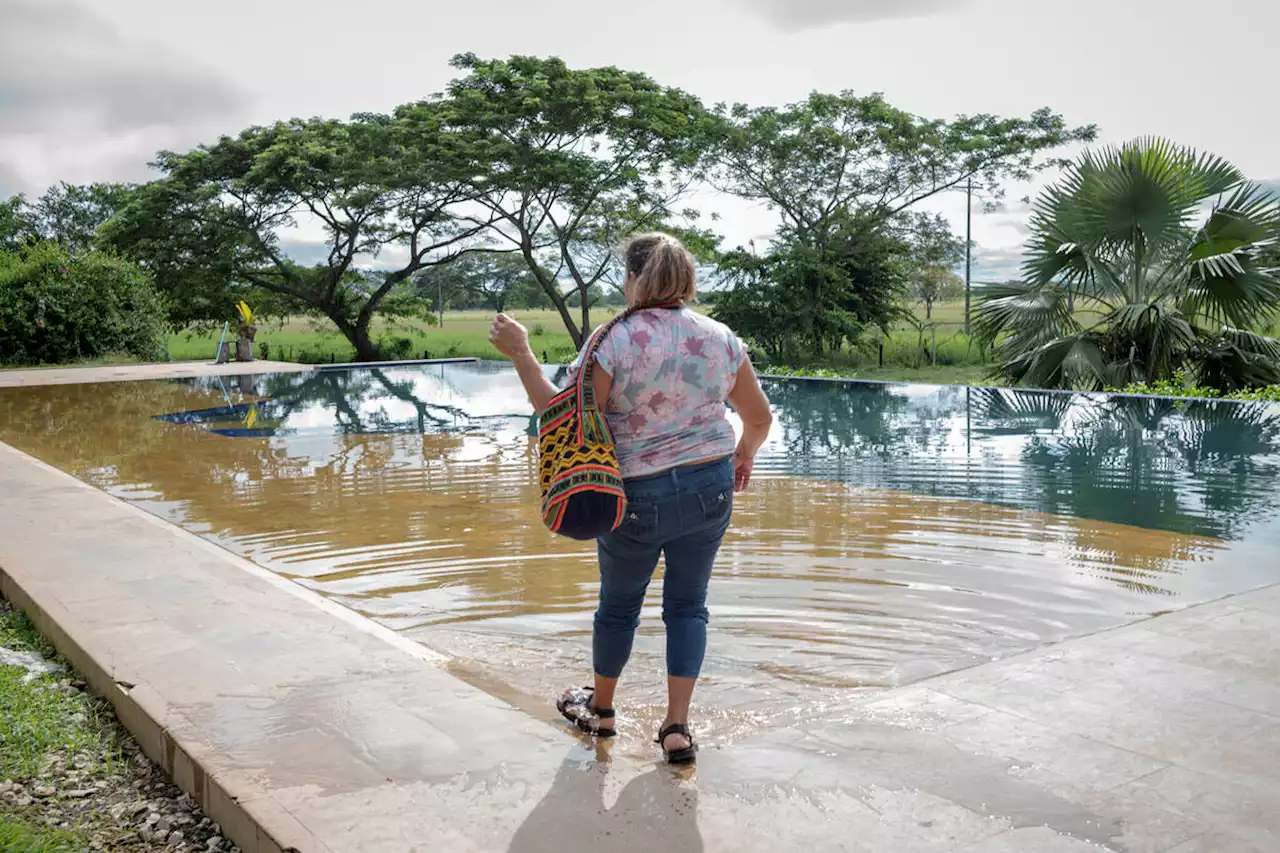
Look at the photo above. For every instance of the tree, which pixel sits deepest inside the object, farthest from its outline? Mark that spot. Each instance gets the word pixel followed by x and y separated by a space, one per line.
pixel 18 226
pixel 933 252
pixel 492 280
pixel 57 308
pixel 831 156
pixel 373 184
pixel 72 214
pixel 934 284
pixel 568 163
pixel 802 300
pixel 1164 287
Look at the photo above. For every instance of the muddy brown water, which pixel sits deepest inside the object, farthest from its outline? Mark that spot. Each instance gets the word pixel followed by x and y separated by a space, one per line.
pixel 891 533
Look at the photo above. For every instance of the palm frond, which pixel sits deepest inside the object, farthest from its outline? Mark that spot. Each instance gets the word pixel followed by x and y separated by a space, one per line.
pixel 1238 358
pixel 1030 312
pixel 1073 361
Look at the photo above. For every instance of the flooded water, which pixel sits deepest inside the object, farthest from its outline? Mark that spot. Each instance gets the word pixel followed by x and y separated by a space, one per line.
pixel 893 532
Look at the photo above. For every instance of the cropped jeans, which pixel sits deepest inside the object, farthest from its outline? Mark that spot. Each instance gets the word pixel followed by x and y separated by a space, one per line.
pixel 681 514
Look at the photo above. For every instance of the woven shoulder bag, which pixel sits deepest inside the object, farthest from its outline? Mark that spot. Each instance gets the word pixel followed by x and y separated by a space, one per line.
pixel 582 491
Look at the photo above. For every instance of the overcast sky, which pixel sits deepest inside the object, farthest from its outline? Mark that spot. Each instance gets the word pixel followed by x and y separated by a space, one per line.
pixel 90 89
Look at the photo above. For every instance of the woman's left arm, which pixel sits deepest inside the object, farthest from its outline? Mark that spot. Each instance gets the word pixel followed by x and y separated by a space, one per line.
pixel 512 340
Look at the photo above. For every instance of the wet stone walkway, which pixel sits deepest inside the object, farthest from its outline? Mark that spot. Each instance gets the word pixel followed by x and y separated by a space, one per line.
pixel 298 725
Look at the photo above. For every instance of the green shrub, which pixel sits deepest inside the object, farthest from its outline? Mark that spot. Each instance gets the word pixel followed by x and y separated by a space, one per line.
pixel 55 308
pixel 1181 385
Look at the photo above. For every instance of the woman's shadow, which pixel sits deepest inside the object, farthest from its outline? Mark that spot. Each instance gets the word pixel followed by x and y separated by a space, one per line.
pixel 657 810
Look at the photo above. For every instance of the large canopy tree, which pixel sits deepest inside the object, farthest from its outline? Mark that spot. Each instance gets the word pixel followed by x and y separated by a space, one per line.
pixel 841 169
pixel 816 162
pixel 1163 250
pixel 377 188
pixel 567 163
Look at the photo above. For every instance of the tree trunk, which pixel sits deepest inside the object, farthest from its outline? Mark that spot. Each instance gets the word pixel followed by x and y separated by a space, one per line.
pixel 357 334
pixel 366 349
pixel 928 309
pixel 586 318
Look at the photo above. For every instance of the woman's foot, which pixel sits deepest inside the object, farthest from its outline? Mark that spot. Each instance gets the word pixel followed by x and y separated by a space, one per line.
pixel 577 705
pixel 677 743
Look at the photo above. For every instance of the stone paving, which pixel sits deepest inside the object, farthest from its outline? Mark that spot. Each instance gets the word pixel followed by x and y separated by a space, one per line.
pixel 299 725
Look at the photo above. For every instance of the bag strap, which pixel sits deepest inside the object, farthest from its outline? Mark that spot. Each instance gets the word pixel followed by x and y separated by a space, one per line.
pixel 586 389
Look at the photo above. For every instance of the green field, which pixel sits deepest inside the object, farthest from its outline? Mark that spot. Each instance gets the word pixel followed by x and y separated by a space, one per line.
pixel 465 334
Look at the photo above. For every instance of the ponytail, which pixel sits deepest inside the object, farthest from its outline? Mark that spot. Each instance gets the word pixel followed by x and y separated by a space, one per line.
pixel 664 270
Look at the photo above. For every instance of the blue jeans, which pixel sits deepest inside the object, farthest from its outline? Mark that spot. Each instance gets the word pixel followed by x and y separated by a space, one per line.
pixel 681 514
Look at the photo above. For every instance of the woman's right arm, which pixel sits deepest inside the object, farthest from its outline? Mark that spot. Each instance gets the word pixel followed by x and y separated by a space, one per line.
pixel 752 406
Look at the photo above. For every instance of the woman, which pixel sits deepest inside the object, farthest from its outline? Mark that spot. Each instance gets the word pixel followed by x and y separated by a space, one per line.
pixel 666 374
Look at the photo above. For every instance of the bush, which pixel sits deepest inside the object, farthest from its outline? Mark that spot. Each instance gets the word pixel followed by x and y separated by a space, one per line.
pixel 392 348
pixel 55 308
pixel 1181 385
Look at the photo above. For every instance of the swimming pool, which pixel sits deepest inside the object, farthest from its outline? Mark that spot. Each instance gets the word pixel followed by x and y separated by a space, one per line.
pixel 892 533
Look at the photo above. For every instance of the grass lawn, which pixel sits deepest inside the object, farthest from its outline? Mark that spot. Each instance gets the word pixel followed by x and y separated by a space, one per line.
pixel 465 334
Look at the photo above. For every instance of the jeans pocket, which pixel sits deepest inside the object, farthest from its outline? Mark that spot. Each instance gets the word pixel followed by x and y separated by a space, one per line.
pixel 640 519
pixel 716 502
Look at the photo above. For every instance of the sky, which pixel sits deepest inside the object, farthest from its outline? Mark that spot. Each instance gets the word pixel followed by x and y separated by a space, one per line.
pixel 91 89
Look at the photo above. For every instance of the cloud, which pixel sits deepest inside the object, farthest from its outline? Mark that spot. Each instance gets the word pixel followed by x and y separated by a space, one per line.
pixel 793 15
pixel 79 100
pixel 996 265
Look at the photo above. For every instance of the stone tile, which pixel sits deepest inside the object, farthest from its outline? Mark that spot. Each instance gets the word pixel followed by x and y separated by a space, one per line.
pixel 920 708
pixel 1038 839
pixel 1226 841
pixel 1060 761
pixel 1142 828
pixel 1207 798
pixel 932 818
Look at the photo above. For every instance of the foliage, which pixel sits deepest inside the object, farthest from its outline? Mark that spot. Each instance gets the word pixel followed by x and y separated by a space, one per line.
pixel 245 312
pixel 493 280
pixel 213 224
pixel 1123 235
pixel 1181 384
pixel 18 227
pixel 57 308
pixel 73 214
pixel 935 284
pixel 567 163
pixel 804 299
pixel 833 155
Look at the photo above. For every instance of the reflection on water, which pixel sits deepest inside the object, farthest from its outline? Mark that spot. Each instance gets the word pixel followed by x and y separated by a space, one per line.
pixel 893 532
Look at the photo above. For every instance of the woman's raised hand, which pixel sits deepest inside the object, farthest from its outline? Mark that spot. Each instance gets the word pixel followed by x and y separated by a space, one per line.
pixel 508 337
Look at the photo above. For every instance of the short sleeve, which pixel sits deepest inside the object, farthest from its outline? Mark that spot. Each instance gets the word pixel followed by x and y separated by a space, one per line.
pixel 605 356
pixel 737 351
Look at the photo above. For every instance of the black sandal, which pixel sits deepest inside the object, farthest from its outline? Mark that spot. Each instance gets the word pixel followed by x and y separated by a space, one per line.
pixel 678 756
pixel 576 707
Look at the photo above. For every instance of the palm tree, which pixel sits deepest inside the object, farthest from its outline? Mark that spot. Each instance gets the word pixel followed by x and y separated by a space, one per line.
pixel 1146 259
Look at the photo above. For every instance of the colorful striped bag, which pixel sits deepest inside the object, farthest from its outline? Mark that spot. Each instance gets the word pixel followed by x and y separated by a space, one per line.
pixel 582 494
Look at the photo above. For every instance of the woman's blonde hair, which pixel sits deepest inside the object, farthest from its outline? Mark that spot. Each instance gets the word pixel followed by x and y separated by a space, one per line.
pixel 663 268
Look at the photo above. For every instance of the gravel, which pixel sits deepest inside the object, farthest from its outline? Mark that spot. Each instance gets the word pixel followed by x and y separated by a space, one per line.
pixel 111 794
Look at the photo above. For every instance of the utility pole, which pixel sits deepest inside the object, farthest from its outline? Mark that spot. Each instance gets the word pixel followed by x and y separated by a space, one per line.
pixel 968 251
